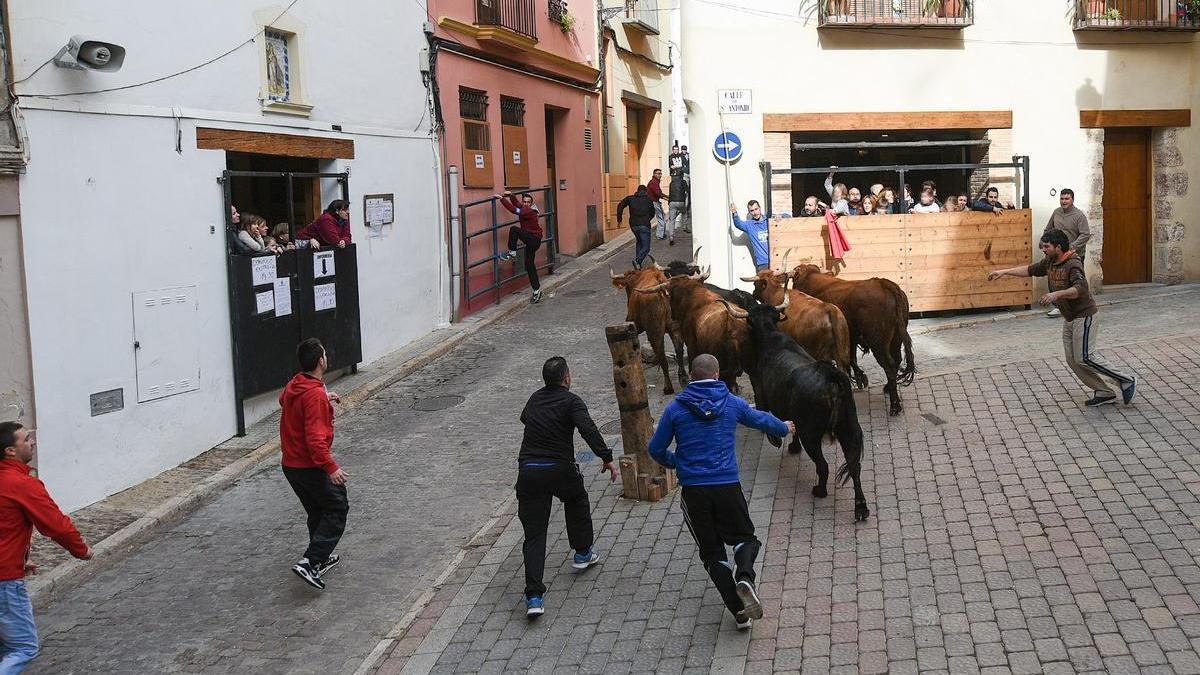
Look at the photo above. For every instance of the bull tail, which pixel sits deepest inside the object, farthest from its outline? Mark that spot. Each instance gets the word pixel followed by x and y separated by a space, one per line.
pixel 844 423
pixel 906 375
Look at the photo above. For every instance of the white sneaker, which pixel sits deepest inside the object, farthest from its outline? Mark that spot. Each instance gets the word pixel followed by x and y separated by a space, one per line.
pixel 1054 312
pixel 742 621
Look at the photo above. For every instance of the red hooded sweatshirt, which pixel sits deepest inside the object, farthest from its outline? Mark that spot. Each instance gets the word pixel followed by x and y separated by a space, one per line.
pixel 306 426
pixel 527 217
pixel 24 505
pixel 327 230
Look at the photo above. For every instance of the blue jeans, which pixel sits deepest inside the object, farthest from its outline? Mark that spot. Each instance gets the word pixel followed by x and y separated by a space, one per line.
pixel 641 233
pixel 18 634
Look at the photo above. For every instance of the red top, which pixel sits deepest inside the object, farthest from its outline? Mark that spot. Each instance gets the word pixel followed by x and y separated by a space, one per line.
pixel 527 216
pixel 306 426
pixel 326 230
pixel 654 189
pixel 24 505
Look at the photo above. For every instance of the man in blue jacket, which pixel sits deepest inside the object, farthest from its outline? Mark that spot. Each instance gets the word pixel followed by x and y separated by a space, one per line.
pixel 755 227
pixel 702 420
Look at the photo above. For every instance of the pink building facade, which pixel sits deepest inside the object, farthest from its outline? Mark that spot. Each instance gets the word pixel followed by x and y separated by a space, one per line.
pixel 517 84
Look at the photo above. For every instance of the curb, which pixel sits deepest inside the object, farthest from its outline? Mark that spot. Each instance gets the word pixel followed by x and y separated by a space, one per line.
pixel 45 587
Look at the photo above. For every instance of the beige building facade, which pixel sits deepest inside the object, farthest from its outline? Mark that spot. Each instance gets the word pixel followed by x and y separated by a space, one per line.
pixel 1099 103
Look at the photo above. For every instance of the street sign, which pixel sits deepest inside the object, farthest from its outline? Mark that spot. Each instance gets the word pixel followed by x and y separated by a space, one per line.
pixel 734 101
pixel 727 147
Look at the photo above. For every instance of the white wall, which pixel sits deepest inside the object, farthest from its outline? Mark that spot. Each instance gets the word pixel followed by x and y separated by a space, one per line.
pixel 110 207
pixel 1020 55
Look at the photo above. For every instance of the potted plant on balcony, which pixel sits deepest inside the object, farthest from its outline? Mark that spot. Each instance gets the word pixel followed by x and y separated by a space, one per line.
pixel 565 21
pixel 947 9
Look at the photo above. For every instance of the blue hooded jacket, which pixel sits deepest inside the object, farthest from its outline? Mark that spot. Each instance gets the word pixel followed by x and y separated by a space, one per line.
pixel 702 420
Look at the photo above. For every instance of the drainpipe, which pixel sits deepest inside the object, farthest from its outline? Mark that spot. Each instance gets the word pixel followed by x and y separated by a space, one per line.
pixel 456 270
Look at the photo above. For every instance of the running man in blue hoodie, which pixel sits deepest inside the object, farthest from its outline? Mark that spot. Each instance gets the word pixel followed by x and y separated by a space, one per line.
pixel 755 227
pixel 702 420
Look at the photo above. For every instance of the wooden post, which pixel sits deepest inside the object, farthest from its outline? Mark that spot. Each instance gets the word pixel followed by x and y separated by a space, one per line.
pixel 641 477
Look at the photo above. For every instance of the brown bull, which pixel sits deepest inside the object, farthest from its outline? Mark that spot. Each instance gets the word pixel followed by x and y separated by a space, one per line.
pixel 651 313
pixel 876 311
pixel 817 326
pixel 705 325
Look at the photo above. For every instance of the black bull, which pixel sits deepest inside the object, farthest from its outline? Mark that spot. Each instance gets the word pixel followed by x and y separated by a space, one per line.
pixel 816 396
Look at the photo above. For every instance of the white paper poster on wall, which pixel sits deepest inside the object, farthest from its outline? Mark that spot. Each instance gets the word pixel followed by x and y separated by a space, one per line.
pixel 478 161
pixel 264 302
pixel 324 297
pixel 283 297
pixel 516 157
pixel 380 209
pixel 322 264
pixel 262 270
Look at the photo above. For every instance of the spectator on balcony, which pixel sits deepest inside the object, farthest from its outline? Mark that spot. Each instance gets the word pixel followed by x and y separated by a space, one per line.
pixel 331 228
pixel 951 204
pixel 928 204
pixel 250 239
pixel 932 187
pixel 281 236
pixel 837 194
pixel 886 203
pixel 964 202
pixel 868 206
pixel 876 188
pixel 812 208
pixel 991 202
pixel 908 200
pixel 854 202
pixel 654 190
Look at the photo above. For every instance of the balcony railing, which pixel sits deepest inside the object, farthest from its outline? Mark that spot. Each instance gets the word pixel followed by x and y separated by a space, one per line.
pixel 1137 15
pixel 894 13
pixel 519 16
pixel 642 15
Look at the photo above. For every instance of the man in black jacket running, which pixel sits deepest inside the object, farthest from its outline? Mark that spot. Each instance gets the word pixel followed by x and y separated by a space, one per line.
pixel 641 210
pixel 548 470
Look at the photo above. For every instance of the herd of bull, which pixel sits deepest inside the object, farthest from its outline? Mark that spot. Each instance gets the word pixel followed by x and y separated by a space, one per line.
pixel 797 344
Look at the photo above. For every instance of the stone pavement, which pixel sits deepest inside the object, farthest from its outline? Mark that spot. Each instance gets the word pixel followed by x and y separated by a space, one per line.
pixel 1012 531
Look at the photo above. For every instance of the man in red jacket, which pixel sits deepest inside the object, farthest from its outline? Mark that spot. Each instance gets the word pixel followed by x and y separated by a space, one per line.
pixel 24 505
pixel 306 434
pixel 654 189
pixel 528 231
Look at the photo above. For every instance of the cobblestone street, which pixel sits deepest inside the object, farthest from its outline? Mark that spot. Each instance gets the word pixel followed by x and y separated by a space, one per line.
pixel 1010 527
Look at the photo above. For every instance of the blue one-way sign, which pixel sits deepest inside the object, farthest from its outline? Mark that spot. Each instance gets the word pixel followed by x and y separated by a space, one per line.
pixel 727 147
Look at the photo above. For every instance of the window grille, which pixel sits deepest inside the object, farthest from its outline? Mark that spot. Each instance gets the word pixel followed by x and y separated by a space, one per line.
pixel 512 111
pixel 473 104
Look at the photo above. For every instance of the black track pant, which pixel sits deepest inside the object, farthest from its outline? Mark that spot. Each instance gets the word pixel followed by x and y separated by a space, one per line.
pixel 537 486
pixel 532 243
pixel 326 505
pixel 718 517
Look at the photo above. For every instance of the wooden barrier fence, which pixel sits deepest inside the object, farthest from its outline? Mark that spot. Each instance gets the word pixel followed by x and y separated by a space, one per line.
pixel 940 260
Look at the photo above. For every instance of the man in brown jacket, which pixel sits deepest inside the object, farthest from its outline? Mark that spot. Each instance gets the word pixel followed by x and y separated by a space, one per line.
pixel 1069 293
pixel 1072 222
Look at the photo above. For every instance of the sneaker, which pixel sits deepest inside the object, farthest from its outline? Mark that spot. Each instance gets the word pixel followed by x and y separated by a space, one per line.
pixel 508 255
pixel 751 607
pixel 1054 312
pixel 537 297
pixel 585 560
pixel 1100 400
pixel 743 622
pixel 1128 391
pixel 671 242
pixel 305 571
pixel 533 607
pixel 329 564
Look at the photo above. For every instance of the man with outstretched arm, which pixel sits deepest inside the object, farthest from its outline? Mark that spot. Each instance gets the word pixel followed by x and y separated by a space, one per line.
pixel 1081 323
pixel 547 470
pixel 702 421
pixel 641 210
pixel 755 227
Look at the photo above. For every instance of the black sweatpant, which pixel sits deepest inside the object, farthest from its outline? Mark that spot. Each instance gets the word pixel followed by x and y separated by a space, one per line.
pixel 537 486
pixel 532 243
pixel 326 505
pixel 718 517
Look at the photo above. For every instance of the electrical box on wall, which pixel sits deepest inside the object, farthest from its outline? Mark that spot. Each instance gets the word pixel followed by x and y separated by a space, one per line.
pixel 166 327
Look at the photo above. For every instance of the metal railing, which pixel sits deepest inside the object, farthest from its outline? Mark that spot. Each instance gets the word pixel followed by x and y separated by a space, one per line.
pixel 643 15
pixel 1137 15
pixel 895 13
pixel 499 219
pixel 519 16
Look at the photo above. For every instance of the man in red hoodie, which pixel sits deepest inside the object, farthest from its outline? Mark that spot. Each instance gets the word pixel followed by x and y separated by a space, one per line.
pixel 528 231
pixel 24 505
pixel 306 434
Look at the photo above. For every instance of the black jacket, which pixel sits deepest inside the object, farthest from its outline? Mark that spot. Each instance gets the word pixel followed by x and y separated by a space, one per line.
pixel 551 417
pixel 641 209
pixel 678 191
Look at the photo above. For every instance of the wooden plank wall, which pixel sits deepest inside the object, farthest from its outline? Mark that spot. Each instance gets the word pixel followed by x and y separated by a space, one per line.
pixel 614 192
pixel 940 260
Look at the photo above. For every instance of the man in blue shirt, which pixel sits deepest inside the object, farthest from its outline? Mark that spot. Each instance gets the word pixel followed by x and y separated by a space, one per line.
pixel 702 420
pixel 755 228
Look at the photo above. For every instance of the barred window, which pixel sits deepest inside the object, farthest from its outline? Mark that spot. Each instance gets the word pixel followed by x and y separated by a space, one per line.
pixel 473 104
pixel 556 9
pixel 512 111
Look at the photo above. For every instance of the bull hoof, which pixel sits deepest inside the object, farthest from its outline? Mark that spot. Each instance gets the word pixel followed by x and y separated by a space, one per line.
pixel 896 408
pixel 861 512
pixel 775 440
pixel 668 390
pixel 820 491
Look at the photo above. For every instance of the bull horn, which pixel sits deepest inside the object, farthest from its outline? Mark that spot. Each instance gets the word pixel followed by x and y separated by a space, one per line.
pixel 660 268
pixel 706 273
pixel 787 297
pixel 613 274
pixel 653 289
pixel 696 255
pixel 749 279
pixel 735 313
pixel 785 257
pixel 651 257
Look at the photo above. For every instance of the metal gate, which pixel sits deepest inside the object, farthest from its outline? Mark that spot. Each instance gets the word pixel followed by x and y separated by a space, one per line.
pixel 482 221
pixel 276 301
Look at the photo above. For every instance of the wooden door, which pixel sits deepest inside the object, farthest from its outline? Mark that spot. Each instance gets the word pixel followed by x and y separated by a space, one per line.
pixel 633 152
pixel 1126 206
